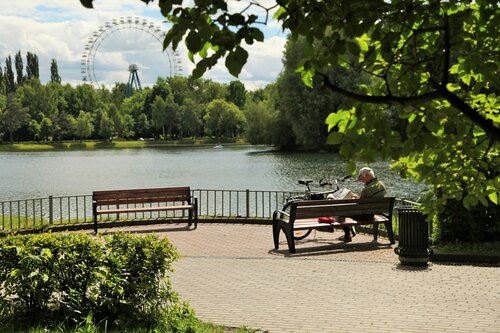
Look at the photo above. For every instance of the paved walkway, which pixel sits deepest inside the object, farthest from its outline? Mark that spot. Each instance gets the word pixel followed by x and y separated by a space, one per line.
pixel 231 275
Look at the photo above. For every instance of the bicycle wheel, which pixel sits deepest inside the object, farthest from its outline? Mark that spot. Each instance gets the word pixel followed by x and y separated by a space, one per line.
pixel 301 234
pixel 297 234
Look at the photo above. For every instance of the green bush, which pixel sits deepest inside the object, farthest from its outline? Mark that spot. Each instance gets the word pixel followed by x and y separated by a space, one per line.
pixel 116 281
pixel 475 225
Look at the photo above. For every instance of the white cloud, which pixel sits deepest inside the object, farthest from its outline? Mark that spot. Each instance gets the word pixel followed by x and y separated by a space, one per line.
pixel 61 30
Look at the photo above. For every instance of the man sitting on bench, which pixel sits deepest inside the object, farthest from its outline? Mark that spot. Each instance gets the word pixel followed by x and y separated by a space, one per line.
pixel 374 188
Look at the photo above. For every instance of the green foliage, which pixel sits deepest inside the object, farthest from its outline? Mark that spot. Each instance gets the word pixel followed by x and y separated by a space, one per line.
pixel 53 110
pixel 304 109
pixel 106 126
pixel 474 225
pixel 54 72
pixel 261 119
pixel 223 119
pixel 10 83
pixel 32 69
pixel 236 93
pixel 13 115
pixel 83 125
pixel 159 112
pixel 19 68
pixel 117 281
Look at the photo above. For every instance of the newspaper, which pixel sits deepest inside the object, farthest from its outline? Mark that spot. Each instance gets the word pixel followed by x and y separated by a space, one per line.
pixel 343 193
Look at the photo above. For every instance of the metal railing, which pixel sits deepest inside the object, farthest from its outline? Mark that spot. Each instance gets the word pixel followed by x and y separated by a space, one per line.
pixel 77 209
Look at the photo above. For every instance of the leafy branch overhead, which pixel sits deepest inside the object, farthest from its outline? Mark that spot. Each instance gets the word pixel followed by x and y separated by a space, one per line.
pixel 416 51
pixel 434 63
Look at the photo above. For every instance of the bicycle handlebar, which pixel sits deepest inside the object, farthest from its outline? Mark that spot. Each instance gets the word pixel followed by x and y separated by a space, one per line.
pixel 327 182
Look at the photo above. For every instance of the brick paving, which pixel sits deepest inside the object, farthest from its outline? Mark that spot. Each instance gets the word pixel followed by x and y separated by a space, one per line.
pixel 231 275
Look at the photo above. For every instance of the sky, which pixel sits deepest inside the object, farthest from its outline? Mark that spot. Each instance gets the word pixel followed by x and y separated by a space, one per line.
pixel 69 33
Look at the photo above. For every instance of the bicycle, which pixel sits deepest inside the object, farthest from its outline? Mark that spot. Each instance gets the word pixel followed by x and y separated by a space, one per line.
pixel 336 193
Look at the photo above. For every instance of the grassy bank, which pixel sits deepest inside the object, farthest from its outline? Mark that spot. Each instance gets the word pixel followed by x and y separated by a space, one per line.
pixel 488 248
pixel 116 144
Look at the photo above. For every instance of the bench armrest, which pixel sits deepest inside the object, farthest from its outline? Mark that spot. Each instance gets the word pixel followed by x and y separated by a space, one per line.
pixel 281 214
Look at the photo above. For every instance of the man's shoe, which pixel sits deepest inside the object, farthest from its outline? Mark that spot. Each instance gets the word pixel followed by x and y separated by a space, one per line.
pixel 345 239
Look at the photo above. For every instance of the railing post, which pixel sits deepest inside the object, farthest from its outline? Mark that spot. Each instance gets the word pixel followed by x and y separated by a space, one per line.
pixel 51 210
pixel 248 203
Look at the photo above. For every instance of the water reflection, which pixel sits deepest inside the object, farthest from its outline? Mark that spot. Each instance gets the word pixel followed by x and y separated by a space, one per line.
pixel 36 174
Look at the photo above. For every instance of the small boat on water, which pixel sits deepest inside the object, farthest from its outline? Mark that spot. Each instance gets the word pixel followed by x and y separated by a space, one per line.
pixel 218 146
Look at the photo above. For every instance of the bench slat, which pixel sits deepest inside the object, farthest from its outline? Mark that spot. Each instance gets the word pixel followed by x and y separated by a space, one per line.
pixel 144 209
pixel 156 194
pixel 128 201
pixel 143 190
pixel 330 211
pixel 314 224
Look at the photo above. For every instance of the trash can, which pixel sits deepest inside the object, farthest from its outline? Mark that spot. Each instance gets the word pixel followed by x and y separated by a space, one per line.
pixel 413 248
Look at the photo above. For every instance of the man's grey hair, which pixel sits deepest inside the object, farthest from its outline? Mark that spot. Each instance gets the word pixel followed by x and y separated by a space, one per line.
pixel 366 171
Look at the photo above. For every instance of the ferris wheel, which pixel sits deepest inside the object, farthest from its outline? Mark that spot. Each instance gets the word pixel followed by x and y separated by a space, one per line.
pixel 125 43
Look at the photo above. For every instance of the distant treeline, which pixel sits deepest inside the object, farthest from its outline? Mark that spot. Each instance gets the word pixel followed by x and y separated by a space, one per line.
pixel 285 113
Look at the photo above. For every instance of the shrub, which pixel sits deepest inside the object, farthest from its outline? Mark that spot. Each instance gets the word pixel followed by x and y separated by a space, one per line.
pixel 119 280
pixel 475 225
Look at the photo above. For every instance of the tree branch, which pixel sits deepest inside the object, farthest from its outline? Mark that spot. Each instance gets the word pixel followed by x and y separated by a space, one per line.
pixel 491 129
pixel 390 100
pixel 446 65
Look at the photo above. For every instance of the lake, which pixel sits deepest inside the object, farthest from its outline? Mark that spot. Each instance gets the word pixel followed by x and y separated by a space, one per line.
pixel 40 174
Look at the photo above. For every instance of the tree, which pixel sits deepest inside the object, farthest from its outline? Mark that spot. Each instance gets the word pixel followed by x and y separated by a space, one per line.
pixel 35 129
pixel 3 86
pixel 190 116
pixel 142 126
pixel 19 68
pixel 208 90
pixel 105 125
pixel 117 119
pixel 158 110
pixel 172 116
pixel 180 89
pixel 13 115
pixel 46 128
pixel 236 93
pixel 305 109
pixel 54 72
pixel 83 125
pixel 134 106
pixel 32 69
pixel 223 119
pixel 10 82
pixel 434 61
pixel 41 102
pixel 261 119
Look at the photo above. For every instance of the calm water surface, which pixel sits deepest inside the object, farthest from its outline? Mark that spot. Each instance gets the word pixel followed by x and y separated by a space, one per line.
pixel 39 174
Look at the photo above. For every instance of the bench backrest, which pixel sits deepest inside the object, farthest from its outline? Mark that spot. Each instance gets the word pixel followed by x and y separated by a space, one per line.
pixel 344 207
pixel 140 196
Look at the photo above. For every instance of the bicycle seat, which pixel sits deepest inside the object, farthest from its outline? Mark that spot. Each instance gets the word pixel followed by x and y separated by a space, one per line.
pixel 305 181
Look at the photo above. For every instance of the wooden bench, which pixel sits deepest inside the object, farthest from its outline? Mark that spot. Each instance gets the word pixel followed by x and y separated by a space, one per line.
pixel 303 215
pixel 127 201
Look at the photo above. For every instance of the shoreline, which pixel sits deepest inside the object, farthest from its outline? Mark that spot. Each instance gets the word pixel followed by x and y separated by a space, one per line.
pixel 115 144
